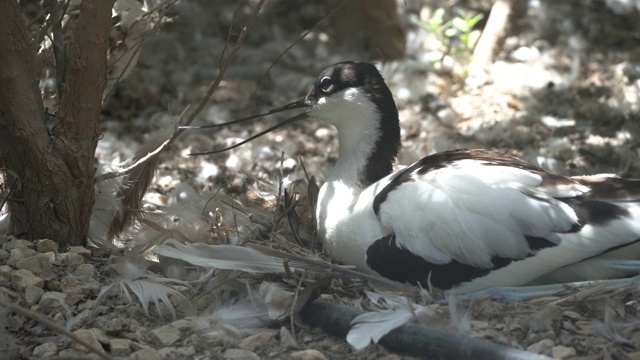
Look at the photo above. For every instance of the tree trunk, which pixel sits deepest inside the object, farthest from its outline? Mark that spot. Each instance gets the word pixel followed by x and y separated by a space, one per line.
pixel 51 157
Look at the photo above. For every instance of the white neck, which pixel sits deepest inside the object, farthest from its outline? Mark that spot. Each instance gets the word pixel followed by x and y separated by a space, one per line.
pixel 357 120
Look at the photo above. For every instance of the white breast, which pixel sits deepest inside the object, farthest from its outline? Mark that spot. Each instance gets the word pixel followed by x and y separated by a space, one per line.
pixel 346 222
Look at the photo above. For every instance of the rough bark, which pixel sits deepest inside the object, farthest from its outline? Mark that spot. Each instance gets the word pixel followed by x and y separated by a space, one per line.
pixel 52 158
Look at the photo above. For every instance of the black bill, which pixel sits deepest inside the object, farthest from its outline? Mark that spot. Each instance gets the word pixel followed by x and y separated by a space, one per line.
pixel 292 106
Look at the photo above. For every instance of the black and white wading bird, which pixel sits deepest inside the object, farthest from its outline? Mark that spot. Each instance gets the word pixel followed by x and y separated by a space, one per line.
pixel 463 219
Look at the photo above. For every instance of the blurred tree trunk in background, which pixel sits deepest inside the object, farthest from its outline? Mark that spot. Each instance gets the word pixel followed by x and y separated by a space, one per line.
pixel 48 160
pixel 372 22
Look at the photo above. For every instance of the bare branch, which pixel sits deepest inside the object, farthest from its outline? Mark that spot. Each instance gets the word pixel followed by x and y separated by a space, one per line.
pixel 224 66
pixel 296 42
pixel 53 326
pixel 137 175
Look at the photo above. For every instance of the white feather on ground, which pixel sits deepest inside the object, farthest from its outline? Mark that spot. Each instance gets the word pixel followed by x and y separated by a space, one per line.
pixel 131 276
pixel 372 326
pixel 233 317
pixel 227 257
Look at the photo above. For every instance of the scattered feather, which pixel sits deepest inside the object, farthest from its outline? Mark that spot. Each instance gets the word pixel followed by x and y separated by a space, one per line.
pixel 340 271
pixel 460 317
pixel 132 276
pixel 278 300
pixel 522 293
pixel 372 326
pixel 244 313
pixel 106 208
pixel 182 223
pixel 387 301
pixel 138 176
pixel 613 329
pixel 227 257
pixel 137 23
pixel 233 317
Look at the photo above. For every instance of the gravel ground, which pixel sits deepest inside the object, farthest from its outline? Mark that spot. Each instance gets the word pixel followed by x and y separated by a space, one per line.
pixel 563 92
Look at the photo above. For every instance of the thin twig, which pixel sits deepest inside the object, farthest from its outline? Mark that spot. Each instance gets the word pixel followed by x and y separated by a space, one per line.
pixel 137 46
pixel 275 213
pixel 286 211
pixel 205 100
pixel 291 213
pixel 225 49
pixel 293 308
pixel 204 208
pixel 223 67
pixel 54 327
pixel 295 43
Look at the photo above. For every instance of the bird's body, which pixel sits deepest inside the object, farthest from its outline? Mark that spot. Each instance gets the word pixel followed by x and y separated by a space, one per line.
pixel 464 219
pixel 469 219
pixel 489 222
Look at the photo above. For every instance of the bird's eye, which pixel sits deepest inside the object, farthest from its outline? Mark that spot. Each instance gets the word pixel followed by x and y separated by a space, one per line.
pixel 326 84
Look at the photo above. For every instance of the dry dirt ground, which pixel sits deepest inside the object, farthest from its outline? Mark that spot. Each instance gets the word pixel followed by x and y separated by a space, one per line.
pixel 563 92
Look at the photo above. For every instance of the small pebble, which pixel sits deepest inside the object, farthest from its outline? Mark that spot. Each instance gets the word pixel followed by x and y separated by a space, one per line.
pixel 32 294
pixel 164 335
pixel 74 260
pixel 85 272
pixel 19 253
pixel 5 275
pixel 46 245
pixel 177 353
pixel 89 336
pixel 146 354
pixel 181 324
pixel 256 341
pixel 542 347
pixel 36 263
pixel 287 340
pixel 44 351
pixel 572 315
pixel 82 319
pixel 289 164
pixel 20 279
pixel 15 243
pixel 120 347
pixel 563 352
pixel 53 301
pixel 240 354
pixel 309 354
pixel 323 134
pixel 80 250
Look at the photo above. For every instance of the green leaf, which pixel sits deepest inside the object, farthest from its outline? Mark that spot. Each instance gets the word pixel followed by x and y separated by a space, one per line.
pixel 460 24
pixel 437 17
pixel 473 38
pixel 474 20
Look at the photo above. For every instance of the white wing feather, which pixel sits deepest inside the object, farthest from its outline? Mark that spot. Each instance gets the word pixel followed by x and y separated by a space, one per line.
pixel 475 212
